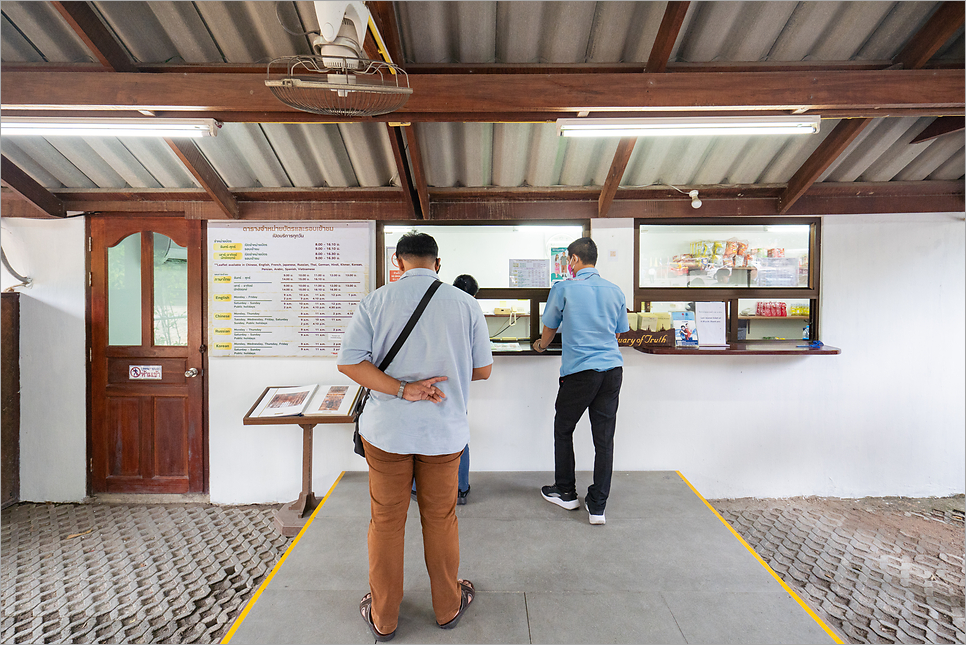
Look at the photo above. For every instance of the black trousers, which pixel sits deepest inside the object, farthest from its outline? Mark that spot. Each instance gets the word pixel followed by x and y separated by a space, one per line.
pixel 599 393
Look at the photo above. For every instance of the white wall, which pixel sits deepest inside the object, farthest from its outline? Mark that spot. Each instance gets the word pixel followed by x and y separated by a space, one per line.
pixel 53 377
pixel 886 417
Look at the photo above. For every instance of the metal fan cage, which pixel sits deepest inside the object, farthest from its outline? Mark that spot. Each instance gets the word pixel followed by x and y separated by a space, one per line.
pixel 340 86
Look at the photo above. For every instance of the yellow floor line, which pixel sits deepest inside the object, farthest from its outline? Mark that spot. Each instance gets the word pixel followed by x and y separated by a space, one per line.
pixel 801 602
pixel 264 585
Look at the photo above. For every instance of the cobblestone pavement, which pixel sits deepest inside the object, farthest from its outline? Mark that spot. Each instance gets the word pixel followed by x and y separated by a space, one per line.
pixel 110 573
pixel 879 570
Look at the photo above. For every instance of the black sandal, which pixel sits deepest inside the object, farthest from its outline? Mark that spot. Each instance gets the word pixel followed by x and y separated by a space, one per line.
pixel 365 608
pixel 467 593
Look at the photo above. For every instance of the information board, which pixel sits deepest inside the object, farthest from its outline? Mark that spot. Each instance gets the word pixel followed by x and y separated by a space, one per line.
pixel 284 288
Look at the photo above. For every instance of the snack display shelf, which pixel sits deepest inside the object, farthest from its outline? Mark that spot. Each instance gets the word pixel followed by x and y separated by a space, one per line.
pixel 773 317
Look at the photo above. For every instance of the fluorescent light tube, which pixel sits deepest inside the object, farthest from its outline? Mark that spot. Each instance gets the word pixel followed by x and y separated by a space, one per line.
pixel 94 127
pixel 688 126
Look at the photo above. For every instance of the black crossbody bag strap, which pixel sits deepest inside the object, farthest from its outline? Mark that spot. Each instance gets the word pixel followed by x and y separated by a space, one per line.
pixel 358 446
pixel 404 334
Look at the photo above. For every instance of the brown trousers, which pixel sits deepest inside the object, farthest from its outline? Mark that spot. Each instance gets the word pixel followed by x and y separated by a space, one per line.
pixel 390 484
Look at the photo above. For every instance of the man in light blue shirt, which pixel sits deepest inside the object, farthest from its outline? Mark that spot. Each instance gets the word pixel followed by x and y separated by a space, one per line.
pixel 415 426
pixel 589 312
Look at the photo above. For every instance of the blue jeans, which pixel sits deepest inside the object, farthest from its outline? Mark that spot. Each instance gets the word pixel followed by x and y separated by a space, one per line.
pixel 464 472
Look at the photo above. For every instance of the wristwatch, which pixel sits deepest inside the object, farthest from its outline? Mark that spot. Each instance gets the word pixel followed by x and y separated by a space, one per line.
pixel 402 388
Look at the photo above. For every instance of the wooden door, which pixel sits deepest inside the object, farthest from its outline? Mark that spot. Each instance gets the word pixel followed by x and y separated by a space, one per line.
pixel 147 356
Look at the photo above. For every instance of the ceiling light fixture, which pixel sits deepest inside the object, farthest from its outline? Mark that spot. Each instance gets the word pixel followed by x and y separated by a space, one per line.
pixel 117 127
pixel 688 126
pixel 695 202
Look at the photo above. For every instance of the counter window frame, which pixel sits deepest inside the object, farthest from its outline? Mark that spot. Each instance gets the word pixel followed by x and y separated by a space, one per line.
pixel 535 296
pixel 643 297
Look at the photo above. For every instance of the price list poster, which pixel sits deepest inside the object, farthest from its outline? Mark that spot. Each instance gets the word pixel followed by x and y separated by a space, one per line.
pixel 284 288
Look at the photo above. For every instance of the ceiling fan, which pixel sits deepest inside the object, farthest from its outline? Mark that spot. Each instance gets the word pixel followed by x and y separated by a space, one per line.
pixel 338 79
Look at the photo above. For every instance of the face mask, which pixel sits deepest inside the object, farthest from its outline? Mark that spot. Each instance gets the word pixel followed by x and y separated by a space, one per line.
pixel 570 270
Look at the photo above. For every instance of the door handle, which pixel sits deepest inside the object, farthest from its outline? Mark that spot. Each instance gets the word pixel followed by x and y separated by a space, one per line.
pixel 192 372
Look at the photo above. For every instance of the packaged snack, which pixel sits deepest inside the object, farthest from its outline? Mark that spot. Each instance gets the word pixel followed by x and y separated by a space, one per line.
pixel 719 248
pixel 742 248
pixel 776 253
pixel 731 247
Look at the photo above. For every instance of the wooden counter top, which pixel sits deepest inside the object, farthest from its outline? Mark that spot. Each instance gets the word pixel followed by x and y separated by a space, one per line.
pixel 749 348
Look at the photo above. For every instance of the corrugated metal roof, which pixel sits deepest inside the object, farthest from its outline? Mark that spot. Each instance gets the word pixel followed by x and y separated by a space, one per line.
pixel 245 155
pixel 522 154
pixel 205 32
pixel 612 32
pixel 485 154
pixel 34 32
pixel 98 162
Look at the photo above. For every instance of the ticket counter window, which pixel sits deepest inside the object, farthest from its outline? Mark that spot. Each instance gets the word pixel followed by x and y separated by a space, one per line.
pixel 507 320
pixel 738 256
pixel 524 256
pixel 774 319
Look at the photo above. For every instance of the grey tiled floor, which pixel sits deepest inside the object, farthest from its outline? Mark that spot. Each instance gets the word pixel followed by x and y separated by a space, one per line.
pixel 663 570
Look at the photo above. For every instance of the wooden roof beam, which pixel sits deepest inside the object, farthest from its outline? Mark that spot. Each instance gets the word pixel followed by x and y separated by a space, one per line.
pixel 615 174
pixel 99 39
pixel 202 170
pixel 667 34
pixel 508 96
pixel 940 27
pixel 32 191
pixel 942 125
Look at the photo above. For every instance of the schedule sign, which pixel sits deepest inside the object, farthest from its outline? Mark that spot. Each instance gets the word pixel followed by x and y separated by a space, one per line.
pixel 284 288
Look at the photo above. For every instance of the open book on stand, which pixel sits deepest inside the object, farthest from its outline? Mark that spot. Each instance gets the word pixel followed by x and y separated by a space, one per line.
pixel 308 401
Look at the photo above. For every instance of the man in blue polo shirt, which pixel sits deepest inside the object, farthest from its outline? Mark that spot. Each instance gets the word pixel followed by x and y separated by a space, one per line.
pixel 590 312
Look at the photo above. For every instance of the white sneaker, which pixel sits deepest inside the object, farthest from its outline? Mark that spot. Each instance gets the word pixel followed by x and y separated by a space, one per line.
pixel 595 519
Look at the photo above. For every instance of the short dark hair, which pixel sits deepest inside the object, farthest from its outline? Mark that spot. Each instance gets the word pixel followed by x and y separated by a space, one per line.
pixel 417 245
pixel 467 283
pixel 585 249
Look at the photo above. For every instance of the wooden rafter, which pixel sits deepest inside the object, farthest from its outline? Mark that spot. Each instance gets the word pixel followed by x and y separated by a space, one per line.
pixel 614 175
pixel 202 170
pixel 942 125
pixel 30 190
pixel 384 17
pixel 937 30
pixel 819 161
pixel 940 27
pixel 416 161
pixel 398 143
pixel 667 34
pixel 91 29
pixel 520 97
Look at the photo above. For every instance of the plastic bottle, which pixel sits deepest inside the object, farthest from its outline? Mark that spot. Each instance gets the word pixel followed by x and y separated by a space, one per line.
pixel 805 332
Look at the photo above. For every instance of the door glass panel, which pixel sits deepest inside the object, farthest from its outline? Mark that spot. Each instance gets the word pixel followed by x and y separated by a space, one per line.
pixel 170 292
pixel 124 292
